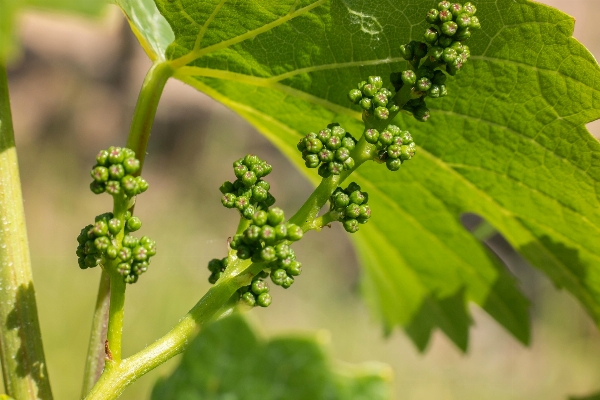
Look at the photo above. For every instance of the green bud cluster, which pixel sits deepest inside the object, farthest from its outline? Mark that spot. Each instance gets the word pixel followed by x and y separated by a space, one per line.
pixel 329 150
pixel 98 244
pixel 395 146
pixel 350 207
pixel 373 98
pixel 216 267
pixel 267 231
pixel 114 173
pixel 444 50
pixel 257 293
pixel 248 193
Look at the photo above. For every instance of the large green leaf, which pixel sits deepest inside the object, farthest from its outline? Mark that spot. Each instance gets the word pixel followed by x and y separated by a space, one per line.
pixel 228 361
pixel 509 143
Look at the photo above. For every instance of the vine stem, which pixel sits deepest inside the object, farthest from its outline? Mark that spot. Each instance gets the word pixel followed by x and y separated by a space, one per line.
pixel 21 350
pixel 110 303
pixel 115 379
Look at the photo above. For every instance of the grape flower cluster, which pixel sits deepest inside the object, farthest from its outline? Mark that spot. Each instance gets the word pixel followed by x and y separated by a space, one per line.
pixel 99 244
pixel 114 173
pixel 249 192
pixel 330 148
pixel 266 239
pixel 444 49
pixel 350 207
pixel 373 98
pixel 395 145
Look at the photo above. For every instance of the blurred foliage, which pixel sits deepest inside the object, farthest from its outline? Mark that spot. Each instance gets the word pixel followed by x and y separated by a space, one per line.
pixel 229 361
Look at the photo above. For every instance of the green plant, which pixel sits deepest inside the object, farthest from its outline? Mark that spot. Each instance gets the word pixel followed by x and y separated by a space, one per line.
pixel 522 185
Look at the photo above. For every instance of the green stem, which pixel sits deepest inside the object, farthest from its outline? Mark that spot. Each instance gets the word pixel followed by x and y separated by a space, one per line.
pixel 139 135
pixel 115 379
pixel 95 361
pixel 21 350
pixel 115 320
pixel 145 109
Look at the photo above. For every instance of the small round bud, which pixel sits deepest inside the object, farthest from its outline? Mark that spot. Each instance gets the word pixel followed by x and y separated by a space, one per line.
pixel 102 158
pixel 259 218
pixel 249 299
pixel 436 52
pixel 115 225
pixel 226 187
pixel 294 232
pixel 463 21
pixel 278 276
pixel 115 155
pixel 445 41
pixel 131 165
pixel 445 16
pixel 382 113
pixel 393 164
pixel 116 171
pixel 444 5
pixel 228 200
pixel 323 171
pixel 449 55
pixel 252 234
pixel 259 287
pixel 351 225
pixel 112 252
pixel 456 9
pixel 312 160
pixel 349 142
pixel 248 212
pixel 380 100
pixel 375 81
pixel 295 268
pixel 434 91
pixel 369 90
pixel 423 84
pixel 386 137
pixel 333 143
pixel 357 197
pixel 128 153
pixel 267 233
pixel 264 300
pixel 342 154
pixel 349 164
pixel 130 241
pixel 354 96
pixel 99 229
pixel 134 224
pixel 340 201
pixel 372 135
pixel 352 211
pixel 102 243
pixel 276 216
pixel 282 250
pixel 97 187
pixel 99 174
pixel 140 253
pixel 287 282
pixel 469 8
pixel 335 168
pixel 244 252
pixel 141 183
pixel 421 114
pixel 366 103
pixel 131 278
pixel 420 50
pixel 250 160
pixel 240 170
pixel 214 265
pixel 281 231
pixel 433 16
pixel 407 151
pixel 407 51
pixel 325 156
pixel 449 28
pixel 129 185
pixel 241 202
pixel 324 134
pixel 268 254
pixel 431 35
pixel 125 254
pixel 475 23
pixel 409 77
pixel 124 268
pixel 249 178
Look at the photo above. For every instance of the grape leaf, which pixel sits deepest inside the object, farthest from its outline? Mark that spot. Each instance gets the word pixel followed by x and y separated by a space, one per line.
pixel 509 143
pixel 590 397
pixel 9 10
pixel 228 361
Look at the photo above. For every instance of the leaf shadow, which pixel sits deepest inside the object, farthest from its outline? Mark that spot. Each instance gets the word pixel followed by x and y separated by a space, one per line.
pixel 29 359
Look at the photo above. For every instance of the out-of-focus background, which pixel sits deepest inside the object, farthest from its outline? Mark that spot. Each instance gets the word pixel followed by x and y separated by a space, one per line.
pixel 73 91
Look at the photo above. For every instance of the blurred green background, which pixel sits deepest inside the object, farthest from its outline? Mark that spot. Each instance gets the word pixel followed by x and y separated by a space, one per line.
pixel 73 90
